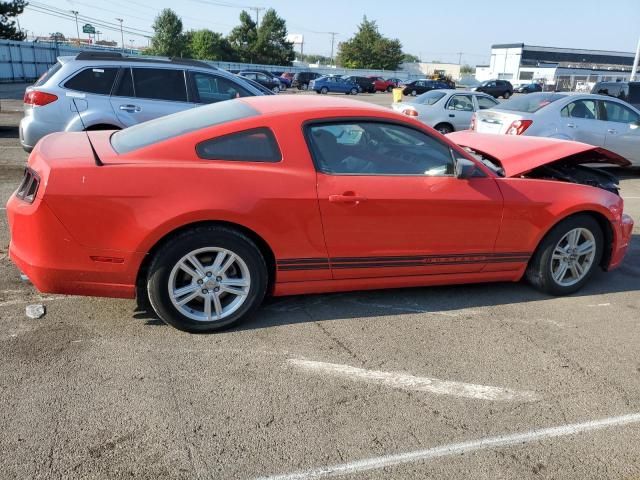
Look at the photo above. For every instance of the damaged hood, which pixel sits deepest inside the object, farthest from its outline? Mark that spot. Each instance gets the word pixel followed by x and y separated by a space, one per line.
pixel 519 155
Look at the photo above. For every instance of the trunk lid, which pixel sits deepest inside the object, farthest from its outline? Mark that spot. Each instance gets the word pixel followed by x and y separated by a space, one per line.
pixel 519 155
pixel 495 121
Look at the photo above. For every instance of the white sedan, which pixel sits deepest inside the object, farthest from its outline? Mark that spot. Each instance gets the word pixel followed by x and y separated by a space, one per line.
pixel 598 120
pixel 446 110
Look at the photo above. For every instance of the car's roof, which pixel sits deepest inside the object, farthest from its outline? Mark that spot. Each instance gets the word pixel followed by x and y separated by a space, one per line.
pixel 287 104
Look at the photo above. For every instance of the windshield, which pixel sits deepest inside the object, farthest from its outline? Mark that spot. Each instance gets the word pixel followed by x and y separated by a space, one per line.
pixel 429 98
pixel 530 103
pixel 187 121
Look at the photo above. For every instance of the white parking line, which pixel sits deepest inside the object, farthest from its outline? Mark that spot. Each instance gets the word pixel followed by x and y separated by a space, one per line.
pixel 376 463
pixel 418 384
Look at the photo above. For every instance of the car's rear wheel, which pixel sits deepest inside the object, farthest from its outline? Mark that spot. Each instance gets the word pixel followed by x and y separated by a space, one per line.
pixel 444 128
pixel 506 95
pixel 353 91
pixel 305 86
pixel 567 257
pixel 206 279
pixel 389 89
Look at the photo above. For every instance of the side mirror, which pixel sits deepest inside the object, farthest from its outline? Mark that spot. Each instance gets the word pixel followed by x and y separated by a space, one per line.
pixel 464 168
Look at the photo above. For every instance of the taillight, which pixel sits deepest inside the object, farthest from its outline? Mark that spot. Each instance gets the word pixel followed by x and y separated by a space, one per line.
pixel 29 186
pixel 472 125
pixel 38 99
pixel 518 127
pixel 411 112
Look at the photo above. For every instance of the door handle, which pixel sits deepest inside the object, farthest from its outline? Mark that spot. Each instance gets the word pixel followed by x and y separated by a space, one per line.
pixel 612 131
pixel 130 108
pixel 571 125
pixel 451 115
pixel 347 197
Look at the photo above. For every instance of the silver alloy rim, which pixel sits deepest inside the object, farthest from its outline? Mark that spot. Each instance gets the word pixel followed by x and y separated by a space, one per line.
pixel 573 257
pixel 209 284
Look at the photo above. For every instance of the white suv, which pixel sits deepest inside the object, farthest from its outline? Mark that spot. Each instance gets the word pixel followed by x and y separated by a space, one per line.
pixel 112 91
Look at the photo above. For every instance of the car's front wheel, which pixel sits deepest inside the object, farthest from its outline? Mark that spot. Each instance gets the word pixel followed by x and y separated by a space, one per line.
pixel 414 93
pixel 567 257
pixel 206 279
pixel 354 91
pixel 506 95
pixel 324 90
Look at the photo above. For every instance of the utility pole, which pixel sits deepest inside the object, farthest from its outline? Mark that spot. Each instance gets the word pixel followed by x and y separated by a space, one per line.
pixel 75 13
pixel 460 58
pixel 121 33
pixel 257 10
pixel 333 38
pixel 98 33
pixel 634 69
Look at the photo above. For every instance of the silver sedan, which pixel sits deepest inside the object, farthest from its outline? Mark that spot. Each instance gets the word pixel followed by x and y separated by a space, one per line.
pixel 594 119
pixel 446 110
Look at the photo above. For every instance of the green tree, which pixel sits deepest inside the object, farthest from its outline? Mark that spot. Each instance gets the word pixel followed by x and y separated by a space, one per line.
pixel 409 58
pixel 207 45
pixel 370 49
pixel 272 47
pixel 467 69
pixel 243 38
pixel 9 10
pixel 168 39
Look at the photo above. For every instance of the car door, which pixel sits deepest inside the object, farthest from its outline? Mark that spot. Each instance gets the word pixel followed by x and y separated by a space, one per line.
pixel 459 109
pixel 580 121
pixel 622 130
pixel 391 206
pixel 145 93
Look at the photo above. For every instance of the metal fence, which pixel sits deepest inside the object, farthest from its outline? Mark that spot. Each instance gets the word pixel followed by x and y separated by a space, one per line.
pixel 26 61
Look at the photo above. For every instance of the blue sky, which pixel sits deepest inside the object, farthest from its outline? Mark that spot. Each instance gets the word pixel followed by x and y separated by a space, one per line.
pixel 431 30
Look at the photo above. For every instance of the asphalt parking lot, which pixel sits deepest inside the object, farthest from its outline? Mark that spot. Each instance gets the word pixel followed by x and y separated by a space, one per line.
pixel 491 381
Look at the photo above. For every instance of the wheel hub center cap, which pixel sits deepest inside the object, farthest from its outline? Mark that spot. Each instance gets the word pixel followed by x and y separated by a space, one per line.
pixel 211 283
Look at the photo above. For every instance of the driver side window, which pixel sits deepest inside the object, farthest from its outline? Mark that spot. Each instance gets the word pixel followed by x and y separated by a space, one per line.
pixel 377 148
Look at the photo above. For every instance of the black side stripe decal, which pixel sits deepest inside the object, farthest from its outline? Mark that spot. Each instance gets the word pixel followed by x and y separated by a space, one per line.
pixel 293 264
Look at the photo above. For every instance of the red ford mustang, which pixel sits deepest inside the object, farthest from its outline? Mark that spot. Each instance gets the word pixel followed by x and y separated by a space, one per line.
pixel 208 210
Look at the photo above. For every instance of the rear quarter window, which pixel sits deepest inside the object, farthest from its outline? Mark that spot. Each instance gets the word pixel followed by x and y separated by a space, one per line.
pixel 48 74
pixel 256 145
pixel 93 80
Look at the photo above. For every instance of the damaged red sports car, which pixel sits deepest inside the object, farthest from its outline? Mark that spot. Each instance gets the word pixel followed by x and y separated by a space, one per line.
pixel 209 210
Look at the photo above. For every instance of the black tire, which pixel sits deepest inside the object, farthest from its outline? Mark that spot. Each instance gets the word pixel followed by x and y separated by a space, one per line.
pixel 444 128
pixel 414 93
pixel 324 90
pixel 506 95
pixel 389 89
pixel 188 241
pixel 305 86
pixel 353 91
pixel 539 270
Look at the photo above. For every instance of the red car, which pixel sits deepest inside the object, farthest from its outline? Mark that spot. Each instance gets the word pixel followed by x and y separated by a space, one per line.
pixel 382 85
pixel 208 210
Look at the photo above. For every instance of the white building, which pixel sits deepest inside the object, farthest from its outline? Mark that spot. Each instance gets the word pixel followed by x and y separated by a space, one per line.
pixel 559 68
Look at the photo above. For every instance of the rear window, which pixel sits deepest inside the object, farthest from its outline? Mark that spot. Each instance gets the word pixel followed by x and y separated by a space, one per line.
pixel 257 145
pixel 48 74
pixel 430 98
pixel 93 80
pixel 187 121
pixel 530 103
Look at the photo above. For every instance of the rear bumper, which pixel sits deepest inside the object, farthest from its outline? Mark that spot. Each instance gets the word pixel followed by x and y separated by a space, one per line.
pixel 45 252
pixel 32 130
pixel 622 237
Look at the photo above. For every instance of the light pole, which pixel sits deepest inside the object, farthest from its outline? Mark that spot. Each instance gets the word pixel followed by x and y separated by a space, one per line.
pixel 98 33
pixel 75 13
pixel 333 38
pixel 131 42
pixel 257 10
pixel 121 33
pixel 634 69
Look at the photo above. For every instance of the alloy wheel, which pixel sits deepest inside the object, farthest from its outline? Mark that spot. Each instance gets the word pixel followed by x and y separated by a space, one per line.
pixel 573 257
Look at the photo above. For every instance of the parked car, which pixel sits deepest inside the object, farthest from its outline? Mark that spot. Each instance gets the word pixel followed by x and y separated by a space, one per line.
pixel 114 91
pixel 446 110
pixel 365 83
pixel 301 79
pixel 495 88
pixel 332 84
pixel 382 85
pixel 416 87
pixel 284 83
pixel 267 81
pixel 311 195
pixel 262 88
pixel 528 88
pixel 396 82
pixel 594 119
pixel 626 91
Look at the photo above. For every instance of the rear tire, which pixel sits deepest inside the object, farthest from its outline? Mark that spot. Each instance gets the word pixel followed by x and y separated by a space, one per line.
pixel 506 95
pixel 354 91
pixel 547 271
pixel 389 89
pixel 217 297
pixel 444 128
